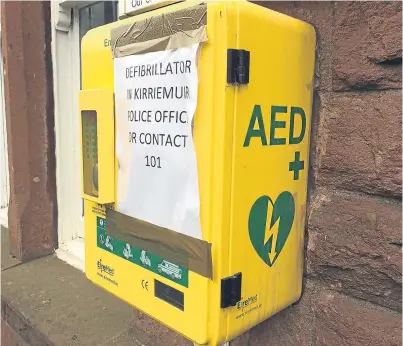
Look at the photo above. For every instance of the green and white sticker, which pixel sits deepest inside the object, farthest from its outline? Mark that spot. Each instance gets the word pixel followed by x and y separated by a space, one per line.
pixel 140 257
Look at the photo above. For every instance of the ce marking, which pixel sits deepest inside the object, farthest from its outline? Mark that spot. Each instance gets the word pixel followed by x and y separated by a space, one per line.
pixel 144 284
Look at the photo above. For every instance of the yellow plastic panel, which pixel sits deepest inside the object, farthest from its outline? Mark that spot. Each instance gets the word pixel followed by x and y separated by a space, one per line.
pixel 201 319
pixel 270 164
pixel 97 145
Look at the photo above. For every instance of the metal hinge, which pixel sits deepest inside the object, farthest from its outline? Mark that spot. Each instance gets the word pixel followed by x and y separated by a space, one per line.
pixel 238 64
pixel 231 290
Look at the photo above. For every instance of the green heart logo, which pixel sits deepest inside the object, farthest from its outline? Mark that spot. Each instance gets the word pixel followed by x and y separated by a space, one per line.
pixel 268 238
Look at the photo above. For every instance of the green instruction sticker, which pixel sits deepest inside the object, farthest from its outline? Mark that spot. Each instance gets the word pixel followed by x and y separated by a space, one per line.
pixel 142 258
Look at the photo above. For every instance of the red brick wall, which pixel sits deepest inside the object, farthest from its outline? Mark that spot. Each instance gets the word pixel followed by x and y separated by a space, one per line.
pixel 30 127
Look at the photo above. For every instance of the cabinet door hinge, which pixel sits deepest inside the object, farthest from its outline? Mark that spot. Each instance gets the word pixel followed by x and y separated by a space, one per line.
pixel 231 290
pixel 238 65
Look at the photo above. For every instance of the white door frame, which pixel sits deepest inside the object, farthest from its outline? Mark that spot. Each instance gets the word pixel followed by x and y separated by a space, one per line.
pixel 4 176
pixel 66 84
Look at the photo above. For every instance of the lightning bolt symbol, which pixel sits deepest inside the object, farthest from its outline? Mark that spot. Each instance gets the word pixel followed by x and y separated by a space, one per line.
pixel 271 232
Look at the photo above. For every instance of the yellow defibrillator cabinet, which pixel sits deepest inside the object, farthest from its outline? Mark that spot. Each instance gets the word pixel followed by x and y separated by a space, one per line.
pixel 251 136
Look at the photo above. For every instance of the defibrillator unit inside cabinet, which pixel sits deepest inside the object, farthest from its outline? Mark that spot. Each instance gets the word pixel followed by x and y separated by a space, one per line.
pixel 195 124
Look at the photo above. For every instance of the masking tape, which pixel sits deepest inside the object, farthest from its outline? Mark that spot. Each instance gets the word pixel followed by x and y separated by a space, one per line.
pixel 178 248
pixel 167 31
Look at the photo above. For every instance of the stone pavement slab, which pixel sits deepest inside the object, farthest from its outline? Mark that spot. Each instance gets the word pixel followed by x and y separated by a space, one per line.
pixel 52 303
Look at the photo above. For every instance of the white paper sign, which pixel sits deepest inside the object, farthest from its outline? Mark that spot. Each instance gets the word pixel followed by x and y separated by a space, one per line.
pixel 155 100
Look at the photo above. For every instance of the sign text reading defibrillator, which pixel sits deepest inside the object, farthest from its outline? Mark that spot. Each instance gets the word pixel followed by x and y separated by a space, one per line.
pixel 161 69
pixel 156 98
pixel 158 93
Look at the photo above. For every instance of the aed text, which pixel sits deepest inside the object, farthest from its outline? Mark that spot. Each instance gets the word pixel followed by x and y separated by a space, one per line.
pixel 280 117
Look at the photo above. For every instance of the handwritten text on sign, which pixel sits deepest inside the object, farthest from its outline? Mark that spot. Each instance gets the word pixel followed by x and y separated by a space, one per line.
pixel 156 97
pixel 136 5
